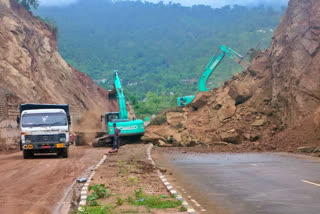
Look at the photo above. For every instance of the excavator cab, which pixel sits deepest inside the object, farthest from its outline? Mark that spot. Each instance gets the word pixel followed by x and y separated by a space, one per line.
pixel 183 101
pixel 112 94
pixel 110 116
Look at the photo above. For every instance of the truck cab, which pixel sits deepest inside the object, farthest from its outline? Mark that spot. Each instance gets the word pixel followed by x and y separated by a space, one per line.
pixel 44 130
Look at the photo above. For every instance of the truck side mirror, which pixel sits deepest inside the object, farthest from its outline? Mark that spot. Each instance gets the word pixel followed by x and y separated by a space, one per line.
pixel 18 120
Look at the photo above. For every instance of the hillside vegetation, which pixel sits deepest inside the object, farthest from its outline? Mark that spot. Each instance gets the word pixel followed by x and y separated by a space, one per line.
pixel 157 48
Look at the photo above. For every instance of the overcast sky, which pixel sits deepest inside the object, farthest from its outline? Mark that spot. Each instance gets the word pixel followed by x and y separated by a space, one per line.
pixel 213 3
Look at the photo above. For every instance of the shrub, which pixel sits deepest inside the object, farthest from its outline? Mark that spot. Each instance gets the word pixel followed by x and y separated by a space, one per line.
pixel 28 4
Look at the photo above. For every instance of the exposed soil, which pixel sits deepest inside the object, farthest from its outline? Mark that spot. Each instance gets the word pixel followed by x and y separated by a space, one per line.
pixel 127 171
pixel 37 186
pixel 273 105
pixel 32 71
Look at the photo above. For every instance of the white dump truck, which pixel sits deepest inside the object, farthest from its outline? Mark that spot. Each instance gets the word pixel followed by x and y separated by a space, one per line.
pixel 45 128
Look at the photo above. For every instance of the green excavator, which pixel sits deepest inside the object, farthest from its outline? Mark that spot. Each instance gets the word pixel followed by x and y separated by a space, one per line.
pixel 133 127
pixel 212 65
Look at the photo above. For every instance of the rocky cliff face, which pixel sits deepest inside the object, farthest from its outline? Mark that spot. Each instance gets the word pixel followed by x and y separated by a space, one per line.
pixel 294 61
pixel 32 70
pixel 270 105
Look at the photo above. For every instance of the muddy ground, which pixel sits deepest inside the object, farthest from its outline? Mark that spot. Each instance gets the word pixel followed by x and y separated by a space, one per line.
pixel 42 185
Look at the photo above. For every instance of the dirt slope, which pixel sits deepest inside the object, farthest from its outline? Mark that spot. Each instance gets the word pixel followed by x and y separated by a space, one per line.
pixel 32 70
pixel 272 105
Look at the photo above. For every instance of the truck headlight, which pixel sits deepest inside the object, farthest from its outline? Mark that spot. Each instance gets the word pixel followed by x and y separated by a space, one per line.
pixel 62 139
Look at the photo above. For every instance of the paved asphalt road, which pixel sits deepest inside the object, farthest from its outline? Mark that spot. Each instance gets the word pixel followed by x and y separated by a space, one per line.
pixel 265 183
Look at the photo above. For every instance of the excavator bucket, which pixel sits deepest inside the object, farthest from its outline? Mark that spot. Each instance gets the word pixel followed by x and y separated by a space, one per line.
pixel 112 94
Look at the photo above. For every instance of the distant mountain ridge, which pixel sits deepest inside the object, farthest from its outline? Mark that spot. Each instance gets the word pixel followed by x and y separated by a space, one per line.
pixel 157 47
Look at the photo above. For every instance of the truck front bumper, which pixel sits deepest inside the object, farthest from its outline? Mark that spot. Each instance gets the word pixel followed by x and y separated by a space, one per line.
pixel 45 147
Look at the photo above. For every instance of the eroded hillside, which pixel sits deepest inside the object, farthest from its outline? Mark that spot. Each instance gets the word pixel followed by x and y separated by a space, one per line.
pixel 32 70
pixel 270 106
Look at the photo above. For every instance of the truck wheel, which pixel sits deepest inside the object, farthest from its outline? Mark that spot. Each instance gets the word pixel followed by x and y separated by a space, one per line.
pixel 27 154
pixel 64 153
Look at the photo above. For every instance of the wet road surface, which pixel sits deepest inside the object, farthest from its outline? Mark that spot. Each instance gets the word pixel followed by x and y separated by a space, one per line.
pixel 251 183
pixel 36 186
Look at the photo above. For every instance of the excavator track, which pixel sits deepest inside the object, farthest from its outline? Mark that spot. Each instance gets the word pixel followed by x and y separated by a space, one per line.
pixel 102 141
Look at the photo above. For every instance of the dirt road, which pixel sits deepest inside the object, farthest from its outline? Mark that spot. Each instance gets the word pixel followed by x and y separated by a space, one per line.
pixel 37 186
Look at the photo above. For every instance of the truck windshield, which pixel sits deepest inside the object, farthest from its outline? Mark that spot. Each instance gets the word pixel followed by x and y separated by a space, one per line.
pixel 44 119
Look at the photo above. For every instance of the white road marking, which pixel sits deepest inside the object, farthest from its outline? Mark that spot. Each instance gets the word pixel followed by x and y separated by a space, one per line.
pixel 253 164
pixel 308 182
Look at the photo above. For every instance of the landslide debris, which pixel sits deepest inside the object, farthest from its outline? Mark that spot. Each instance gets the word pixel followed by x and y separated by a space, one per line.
pixel 273 105
pixel 32 70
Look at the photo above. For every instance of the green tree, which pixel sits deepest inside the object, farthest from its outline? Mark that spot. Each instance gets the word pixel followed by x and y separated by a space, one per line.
pixel 152 52
pixel 28 4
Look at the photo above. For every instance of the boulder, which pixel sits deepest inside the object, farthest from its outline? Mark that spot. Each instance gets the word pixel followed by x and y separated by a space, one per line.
pixel 210 139
pixel 231 136
pixel 150 137
pixel 258 123
pixel 161 143
pixel 259 66
pixel 307 149
pixel 227 110
pixel 175 118
pixel 200 100
pixel 252 137
pixel 162 169
pixel 186 138
pixel 193 143
pixel 163 132
pixel 240 93
pixel 217 106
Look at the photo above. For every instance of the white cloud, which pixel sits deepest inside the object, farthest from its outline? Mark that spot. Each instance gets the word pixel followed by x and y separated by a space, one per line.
pixel 221 3
pixel 213 3
pixel 57 2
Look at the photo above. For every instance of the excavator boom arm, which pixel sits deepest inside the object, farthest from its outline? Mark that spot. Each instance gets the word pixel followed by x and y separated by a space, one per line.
pixel 213 64
pixel 121 98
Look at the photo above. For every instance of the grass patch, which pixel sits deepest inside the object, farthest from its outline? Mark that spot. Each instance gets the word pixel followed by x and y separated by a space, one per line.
pixel 119 201
pixel 183 209
pixel 129 211
pixel 156 202
pixel 133 180
pixel 122 167
pixel 99 191
pixel 95 210
pixel 153 201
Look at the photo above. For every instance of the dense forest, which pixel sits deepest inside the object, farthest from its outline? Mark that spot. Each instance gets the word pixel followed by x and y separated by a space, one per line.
pixel 160 50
